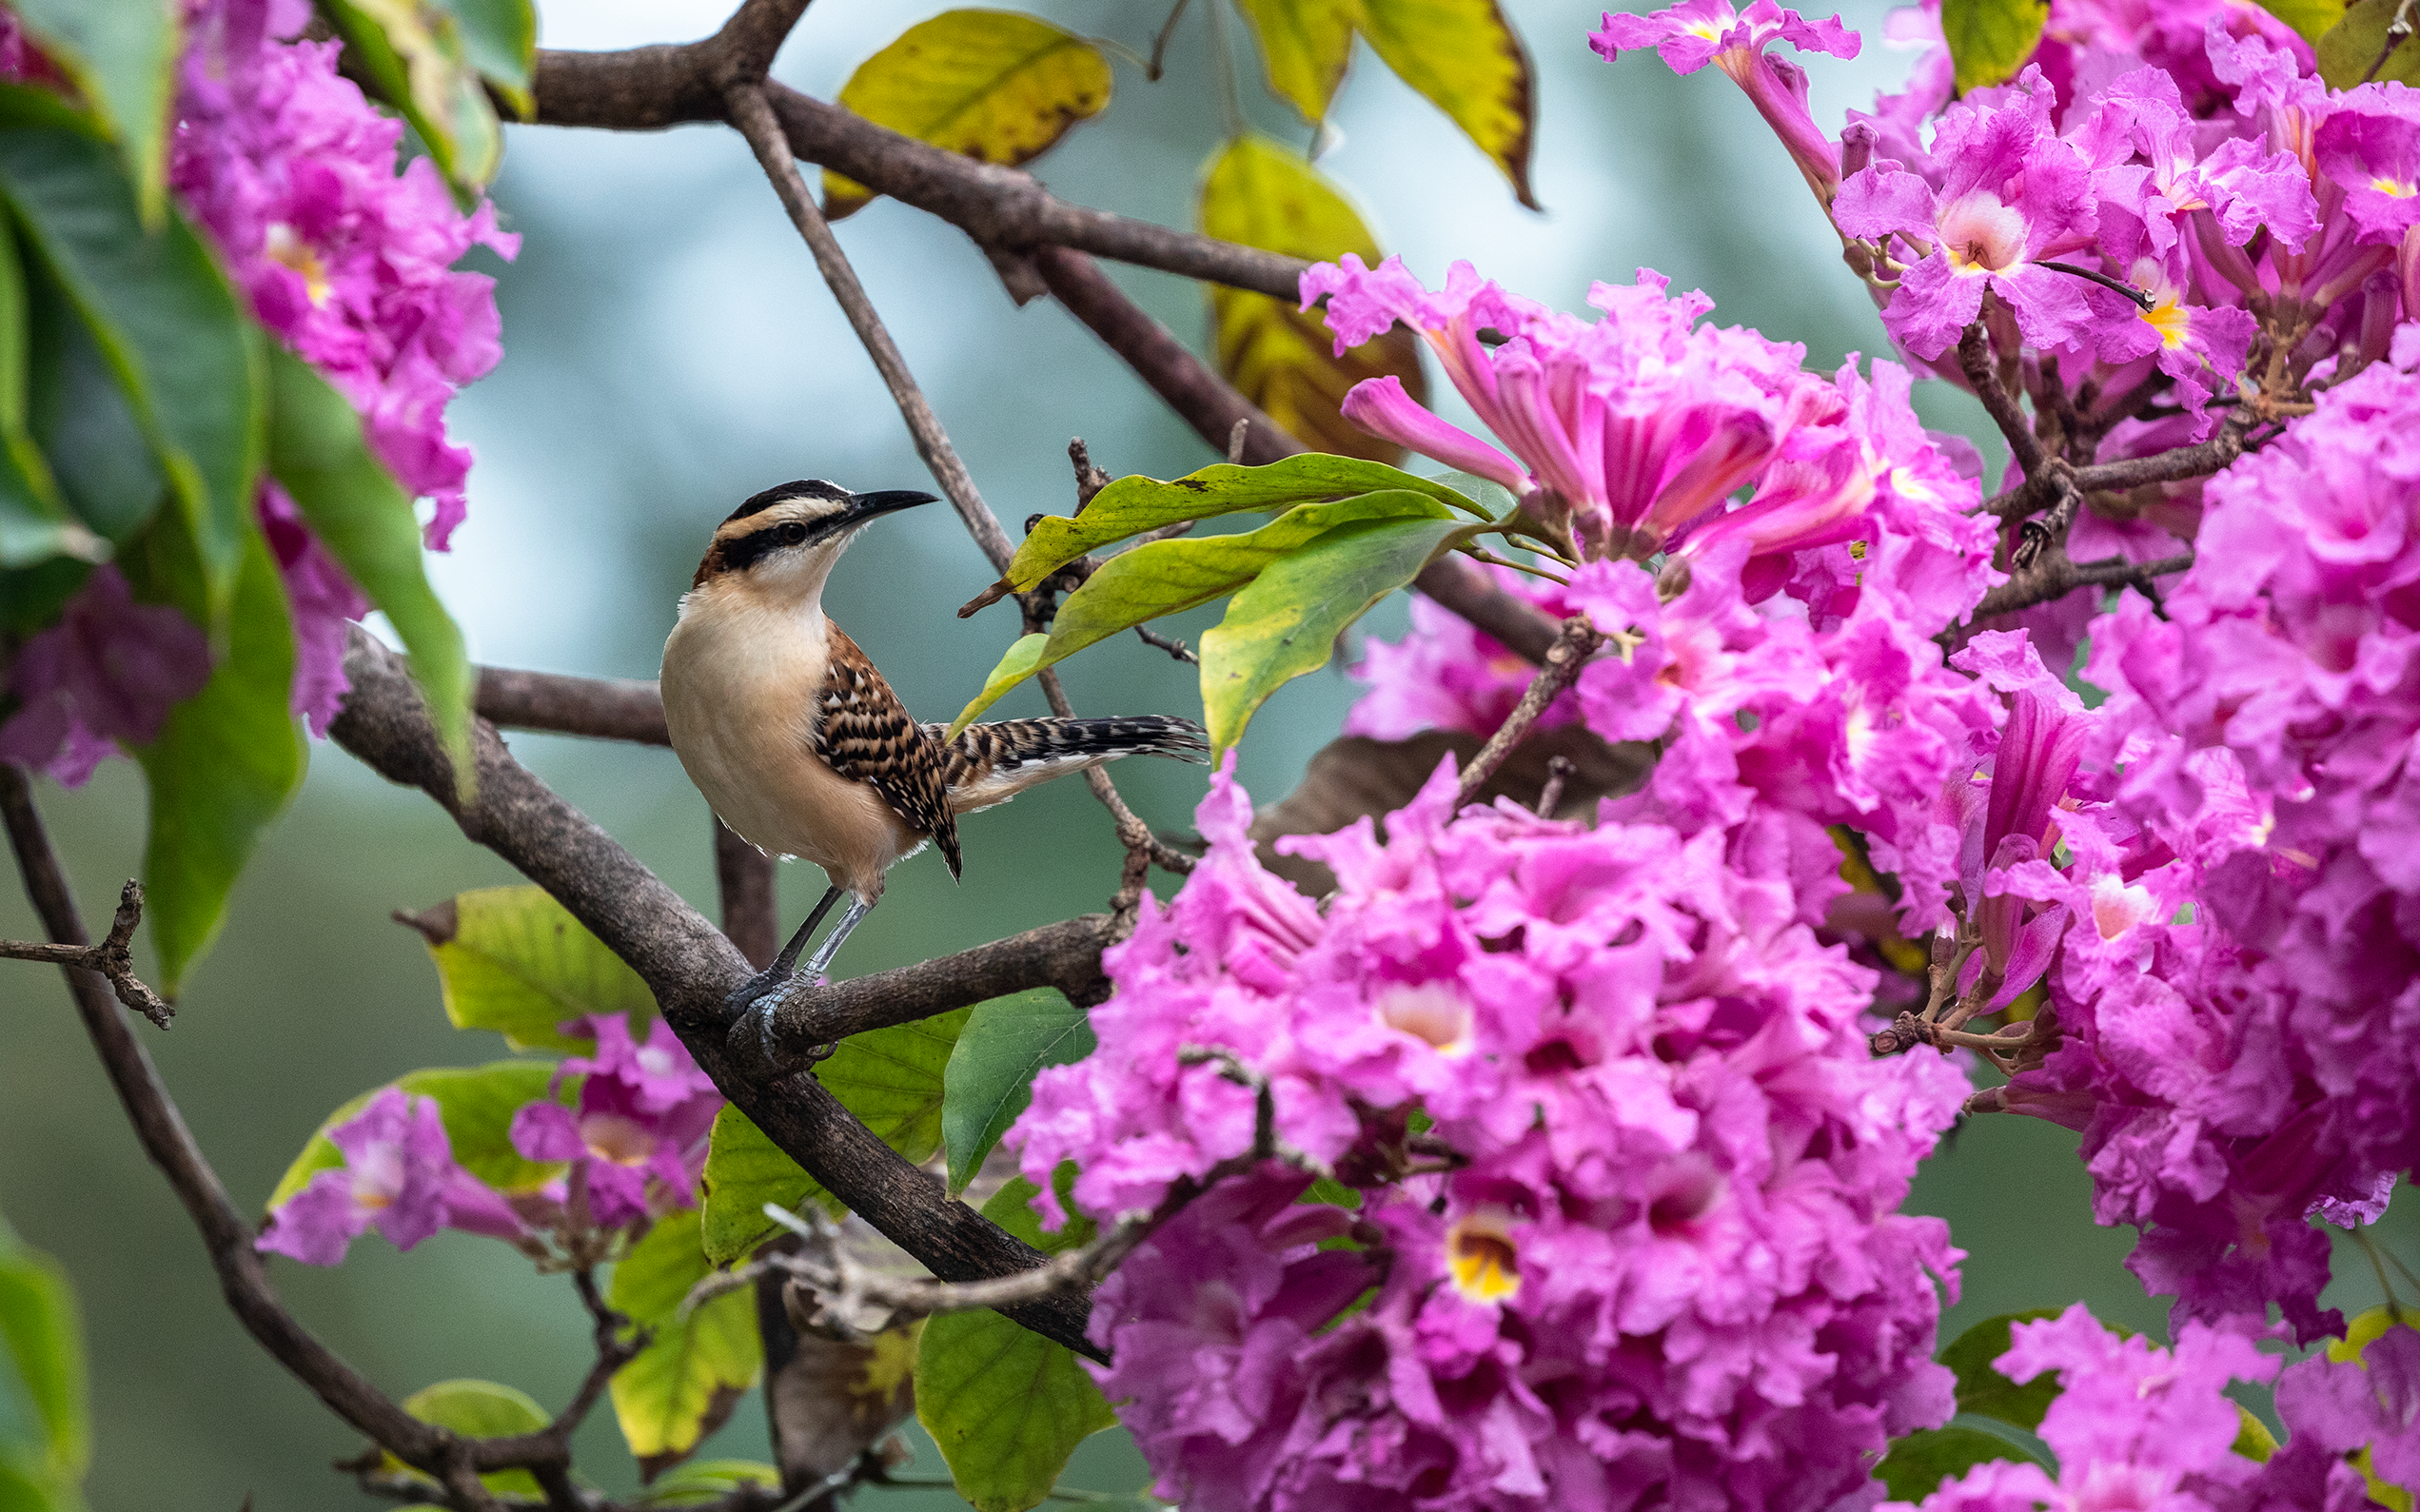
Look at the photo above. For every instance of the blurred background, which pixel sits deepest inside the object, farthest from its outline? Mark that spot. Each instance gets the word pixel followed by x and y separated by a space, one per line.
pixel 669 349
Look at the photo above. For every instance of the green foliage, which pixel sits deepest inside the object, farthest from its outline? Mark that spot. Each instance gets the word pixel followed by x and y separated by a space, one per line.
pixel 413 54
pixel 1920 1462
pixel 1281 356
pixel 1462 55
pixel 46 1440
pixel 1134 504
pixel 990 1077
pixel 35 524
pixel 1982 1390
pixel 476 1103
pixel 696 1482
pixel 1991 39
pixel 478 1409
pixel 2350 49
pixel 364 520
pixel 1285 624
pixel 998 85
pixel 500 37
pixel 1006 1405
pixel 2252 1439
pixel 2311 19
pixel 514 960
pixel 683 1384
pixel 225 764
pixel 180 354
pixel 122 57
pixel 1167 576
pixel 893 1079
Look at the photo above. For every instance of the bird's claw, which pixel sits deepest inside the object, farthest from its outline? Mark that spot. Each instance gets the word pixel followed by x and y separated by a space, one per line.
pixel 752 1005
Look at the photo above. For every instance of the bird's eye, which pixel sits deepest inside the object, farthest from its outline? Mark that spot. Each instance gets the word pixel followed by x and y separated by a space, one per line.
pixel 791 534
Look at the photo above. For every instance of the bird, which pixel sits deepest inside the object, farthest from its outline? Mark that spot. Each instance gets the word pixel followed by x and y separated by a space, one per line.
pixel 798 742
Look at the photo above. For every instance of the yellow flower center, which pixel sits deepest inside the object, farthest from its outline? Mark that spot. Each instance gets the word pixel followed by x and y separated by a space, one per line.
pixel 283 246
pixel 1432 1012
pixel 610 1136
pixel 1480 1255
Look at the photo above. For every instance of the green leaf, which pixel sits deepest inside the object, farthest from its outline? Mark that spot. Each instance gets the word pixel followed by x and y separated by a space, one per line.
pixel 990 1078
pixel 476 1409
pixel 1133 504
pixel 45 1435
pixel 683 1384
pixel 1917 1464
pixel 225 762
pixel 1167 577
pixel 1463 58
pixel 1286 622
pixel 998 85
pixel 1462 55
pixel 121 57
pixel 414 55
pixel 1991 39
pixel 176 341
pixel 1282 358
pixel 476 1103
pixel 78 420
pixel 696 1482
pixel 2352 48
pixel 35 524
pixel 1305 46
pixel 500 38
pixel 893 1079
pixel 1006 1405
pixel 2252 1439
pixel 364 520
pixel 514 960
pixel 2311 19
pixel 1982 1389
pixel 745 1170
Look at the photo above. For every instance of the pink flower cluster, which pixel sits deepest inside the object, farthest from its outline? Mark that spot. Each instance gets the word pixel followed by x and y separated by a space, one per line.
pixel 632 1147
pixel 291 175
pixel 2235 1074
pixel 2136 1425
pixel 1626 1171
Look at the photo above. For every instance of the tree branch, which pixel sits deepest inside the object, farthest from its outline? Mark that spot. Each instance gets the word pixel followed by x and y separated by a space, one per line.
pixel 2055 576
pixel 603 708
pixel 1975 359
pixel 650 88
pixel 751 909
pixel 1574 643
pixel 689 967
pixel 111 958
pixel 1065 955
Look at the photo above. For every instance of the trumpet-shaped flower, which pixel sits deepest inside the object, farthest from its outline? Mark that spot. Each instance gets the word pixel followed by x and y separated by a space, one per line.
pixel 399 1176
pixel 636 1137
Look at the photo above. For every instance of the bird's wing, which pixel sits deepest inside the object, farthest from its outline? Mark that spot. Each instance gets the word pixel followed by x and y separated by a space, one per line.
pixel 864 733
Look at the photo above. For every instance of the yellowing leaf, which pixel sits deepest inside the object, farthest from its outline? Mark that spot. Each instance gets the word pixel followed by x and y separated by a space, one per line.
pixel 1991 39
pixel 1282 358
pixel 514 960
pixel 1462 55
pixel 415 54
pixel 684 1384
pixel 2354 46
pixel 994 85
pixel 2311 19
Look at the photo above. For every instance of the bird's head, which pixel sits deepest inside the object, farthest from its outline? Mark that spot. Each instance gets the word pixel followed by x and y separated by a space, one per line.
pixel 781 544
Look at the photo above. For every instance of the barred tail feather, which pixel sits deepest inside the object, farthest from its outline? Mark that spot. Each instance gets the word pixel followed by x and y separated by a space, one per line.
pixel 993 763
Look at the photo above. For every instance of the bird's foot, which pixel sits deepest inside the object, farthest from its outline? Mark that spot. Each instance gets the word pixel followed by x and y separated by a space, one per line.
pixel 752 1005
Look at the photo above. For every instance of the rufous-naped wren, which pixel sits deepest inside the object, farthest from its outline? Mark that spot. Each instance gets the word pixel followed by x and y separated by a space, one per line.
pixel 799 745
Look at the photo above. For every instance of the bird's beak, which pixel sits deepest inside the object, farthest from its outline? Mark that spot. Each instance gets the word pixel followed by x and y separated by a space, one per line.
pixel 863 507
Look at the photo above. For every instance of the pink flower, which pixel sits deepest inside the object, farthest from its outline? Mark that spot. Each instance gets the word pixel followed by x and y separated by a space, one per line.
pixel 1625 429
pixel 106 674
pixel 2011 195
pixel 399 1176
pixel 1696 33
pixel 321 599
pixel 637 1137
pixel 1447 674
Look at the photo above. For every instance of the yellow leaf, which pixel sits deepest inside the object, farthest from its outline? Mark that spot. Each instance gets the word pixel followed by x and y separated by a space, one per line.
pixel 1259 193
pixel 995 85
pixel 1460 55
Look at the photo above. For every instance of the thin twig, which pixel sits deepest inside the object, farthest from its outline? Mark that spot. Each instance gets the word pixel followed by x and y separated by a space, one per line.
pixel 1559 771
pixel 2052 575
pixel 1975 359
pixel 111 958
pixel 1573 645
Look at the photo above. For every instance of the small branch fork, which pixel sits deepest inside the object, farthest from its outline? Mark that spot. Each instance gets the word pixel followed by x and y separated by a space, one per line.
pixel 1574 643
pixel 111 958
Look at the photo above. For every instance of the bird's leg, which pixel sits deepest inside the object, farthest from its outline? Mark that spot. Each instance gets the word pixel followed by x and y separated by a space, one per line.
pixel 858 909
pixel 753 992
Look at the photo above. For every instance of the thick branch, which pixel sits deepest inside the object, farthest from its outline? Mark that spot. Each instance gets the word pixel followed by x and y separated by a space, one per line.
pixel 691 968
pixel 751 907
pixel 1213 408
pixel 604 708
pixel 1066 955
pixel 649 88
pixel 1574 643
pixel 2055 576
